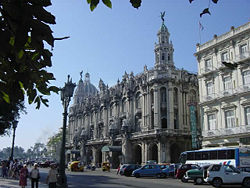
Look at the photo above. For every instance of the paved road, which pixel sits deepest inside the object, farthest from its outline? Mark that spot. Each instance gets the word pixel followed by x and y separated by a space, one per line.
pixel 99 179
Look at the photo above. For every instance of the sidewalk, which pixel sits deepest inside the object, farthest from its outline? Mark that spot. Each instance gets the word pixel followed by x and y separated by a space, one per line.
pixel 11 183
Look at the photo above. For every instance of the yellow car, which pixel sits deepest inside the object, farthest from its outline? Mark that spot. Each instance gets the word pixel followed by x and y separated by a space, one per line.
pixel 106 166
pixel 76 166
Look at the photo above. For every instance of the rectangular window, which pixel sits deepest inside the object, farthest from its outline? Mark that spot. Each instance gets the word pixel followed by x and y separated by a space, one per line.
pixel 211 122
pixel 210 88
pixel 208 65
pixel 230 154
pixel 230 118
pixel 222 154
pixel 227 83
pixel 247 115
pixel 246 77
pixel 197 155
pixel 224 56
pixel 190 156
pixel 205 155
pixel 213 155
pixel 243 49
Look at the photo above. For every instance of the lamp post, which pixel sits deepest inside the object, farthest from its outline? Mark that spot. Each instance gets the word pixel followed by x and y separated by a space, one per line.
pixel 66 94
pixel 14 125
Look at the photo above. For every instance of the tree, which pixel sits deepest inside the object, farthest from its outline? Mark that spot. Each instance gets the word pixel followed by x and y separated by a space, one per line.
pixel 23 58
pixel 53 144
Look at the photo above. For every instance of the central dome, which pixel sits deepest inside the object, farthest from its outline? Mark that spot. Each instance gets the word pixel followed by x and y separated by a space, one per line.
pixel 84 89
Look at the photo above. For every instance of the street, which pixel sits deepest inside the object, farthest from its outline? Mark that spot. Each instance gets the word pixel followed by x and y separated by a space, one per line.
pixel 99 179
pixel 96 179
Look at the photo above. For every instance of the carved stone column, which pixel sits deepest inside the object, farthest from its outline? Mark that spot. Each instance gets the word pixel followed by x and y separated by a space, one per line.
pixel 156 108
pixel 126 150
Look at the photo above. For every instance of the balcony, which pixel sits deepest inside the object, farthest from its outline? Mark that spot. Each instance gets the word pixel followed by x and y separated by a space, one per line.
pixel 243 56
pixel 209 97
pixel 226 131
pixel 207 70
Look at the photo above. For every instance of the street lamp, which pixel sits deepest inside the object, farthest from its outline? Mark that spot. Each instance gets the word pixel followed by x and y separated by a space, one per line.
pixel 66 94
pixel 14 125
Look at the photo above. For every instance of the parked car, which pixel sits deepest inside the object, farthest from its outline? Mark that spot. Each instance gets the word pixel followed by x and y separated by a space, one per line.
pixel 76 166
pixel 45 164
pixel 149 170
pixel 122 169
pixel 106 166
pixel 196 175
pixel 183 169
pixel 171 169
pixel 218 175
pixel 151 162
pixel 128 169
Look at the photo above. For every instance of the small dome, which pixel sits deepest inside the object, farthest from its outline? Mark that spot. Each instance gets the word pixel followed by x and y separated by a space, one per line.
pixel 84 89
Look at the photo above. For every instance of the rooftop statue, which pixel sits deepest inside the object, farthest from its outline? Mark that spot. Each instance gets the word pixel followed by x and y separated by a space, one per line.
pixel 162 16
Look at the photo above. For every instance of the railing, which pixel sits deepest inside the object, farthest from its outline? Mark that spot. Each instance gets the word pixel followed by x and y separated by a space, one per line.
pixel 207 69
pixel 243 56
pixel 171 132
pixel 226 93
pixel 226 131
pixel 209 97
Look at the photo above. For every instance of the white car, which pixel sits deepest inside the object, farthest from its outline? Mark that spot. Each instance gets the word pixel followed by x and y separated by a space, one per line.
pixel 218 174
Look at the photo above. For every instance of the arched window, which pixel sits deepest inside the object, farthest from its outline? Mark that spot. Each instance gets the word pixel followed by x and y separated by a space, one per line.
pixel 164 123
pixel 111 110
pixel 192 96
pixel 163 94
pixel 175 96
pixel 152 96
pixel 123 104
pixel 138 100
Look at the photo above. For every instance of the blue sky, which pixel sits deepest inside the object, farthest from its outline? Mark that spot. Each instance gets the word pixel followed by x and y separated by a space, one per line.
pixel 108 42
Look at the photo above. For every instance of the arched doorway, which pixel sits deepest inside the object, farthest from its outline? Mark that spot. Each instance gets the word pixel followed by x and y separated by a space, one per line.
pixel 174 153
pixel 153 152
pixel 99 156
pixel 137 154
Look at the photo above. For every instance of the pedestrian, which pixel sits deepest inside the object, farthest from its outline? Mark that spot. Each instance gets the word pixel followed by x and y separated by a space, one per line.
pixel 119 168
pixel 4 169
pixel 34 176
pixel 52 176
pixel 24 173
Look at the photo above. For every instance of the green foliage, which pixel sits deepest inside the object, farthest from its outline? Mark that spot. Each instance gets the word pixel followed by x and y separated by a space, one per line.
pixel 23 58
pixel 93 3
pixel 206 10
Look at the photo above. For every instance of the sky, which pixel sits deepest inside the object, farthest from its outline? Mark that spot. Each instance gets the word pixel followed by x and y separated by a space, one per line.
pixel 107 42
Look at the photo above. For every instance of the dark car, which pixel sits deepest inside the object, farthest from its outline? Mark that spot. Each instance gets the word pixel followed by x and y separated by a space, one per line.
pixel 149 170
pixel 183 169
pixel 45 164
pixel 171 169
pixel 127 171
pixel 122 169
pixel 196 174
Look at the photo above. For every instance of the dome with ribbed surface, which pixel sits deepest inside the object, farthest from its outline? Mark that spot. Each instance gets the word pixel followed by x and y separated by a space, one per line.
pixel 84 89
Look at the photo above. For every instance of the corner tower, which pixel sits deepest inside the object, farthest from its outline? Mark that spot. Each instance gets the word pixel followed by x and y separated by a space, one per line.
pixel 163 49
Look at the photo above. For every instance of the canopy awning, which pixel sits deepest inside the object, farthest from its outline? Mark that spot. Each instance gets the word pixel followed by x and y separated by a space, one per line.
pixel 111 148
pixel 73 152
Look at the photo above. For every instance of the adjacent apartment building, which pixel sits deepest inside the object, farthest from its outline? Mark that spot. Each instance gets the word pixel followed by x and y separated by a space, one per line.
pixel 148 116
pixel 224 88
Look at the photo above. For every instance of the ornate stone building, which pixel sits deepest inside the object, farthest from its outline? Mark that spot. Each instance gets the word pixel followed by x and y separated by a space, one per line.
pixel 224 88
pixel 143 117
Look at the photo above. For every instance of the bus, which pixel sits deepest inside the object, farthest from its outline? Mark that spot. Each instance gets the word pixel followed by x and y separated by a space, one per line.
pixel 236 156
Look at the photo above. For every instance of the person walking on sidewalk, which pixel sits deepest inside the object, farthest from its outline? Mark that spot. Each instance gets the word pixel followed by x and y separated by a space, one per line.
pixel 52 176
pixel 34 176
pixel 23 176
